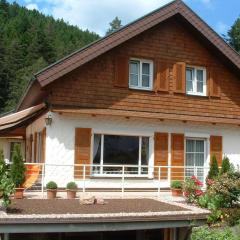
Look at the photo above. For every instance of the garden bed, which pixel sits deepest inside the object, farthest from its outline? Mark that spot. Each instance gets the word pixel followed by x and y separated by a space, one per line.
pixel 60 206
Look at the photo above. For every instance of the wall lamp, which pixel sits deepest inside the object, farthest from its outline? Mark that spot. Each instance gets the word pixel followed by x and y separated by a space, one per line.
pixel 48 119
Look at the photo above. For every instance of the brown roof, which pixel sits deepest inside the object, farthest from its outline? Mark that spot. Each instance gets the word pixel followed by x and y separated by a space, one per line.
pixel 105 44
pixel 15 119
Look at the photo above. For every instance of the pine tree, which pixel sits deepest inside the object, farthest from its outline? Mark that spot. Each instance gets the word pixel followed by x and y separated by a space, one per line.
pixel 226 166
pixel 114 25
pixel 214 171
pixel 233 36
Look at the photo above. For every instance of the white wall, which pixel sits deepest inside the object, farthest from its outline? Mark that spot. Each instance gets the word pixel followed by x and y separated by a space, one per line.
pixel 61 135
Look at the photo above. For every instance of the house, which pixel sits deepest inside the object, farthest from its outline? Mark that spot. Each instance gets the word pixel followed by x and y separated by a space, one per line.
pixel 150 103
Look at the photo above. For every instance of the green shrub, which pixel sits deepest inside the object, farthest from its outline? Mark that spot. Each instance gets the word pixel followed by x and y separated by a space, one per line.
pixel 213 171
pixel 6 183
pixel 176 184
pixel 71 186
pixel 232 216
pixel 226 166
pixel 17 167
pixel 51 185
pixel 212 234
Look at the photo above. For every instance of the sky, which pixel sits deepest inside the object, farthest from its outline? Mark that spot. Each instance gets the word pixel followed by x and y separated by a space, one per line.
pixel 95 15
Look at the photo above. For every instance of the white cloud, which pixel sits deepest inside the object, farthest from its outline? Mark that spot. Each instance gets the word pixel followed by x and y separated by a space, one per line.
pixel 32 6
pixel 222 28
pixel 96 15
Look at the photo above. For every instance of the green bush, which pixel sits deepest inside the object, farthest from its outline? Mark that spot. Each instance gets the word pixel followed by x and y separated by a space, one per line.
pixel 176 184
pixel 17 167
pixel 213 171
pixel 51 185
pixel 232 216
pixel 226 166
pixel 6 183
pixel 207 233
pixel 71 186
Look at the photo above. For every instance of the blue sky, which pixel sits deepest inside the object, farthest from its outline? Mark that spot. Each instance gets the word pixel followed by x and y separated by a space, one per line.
pixel 95 15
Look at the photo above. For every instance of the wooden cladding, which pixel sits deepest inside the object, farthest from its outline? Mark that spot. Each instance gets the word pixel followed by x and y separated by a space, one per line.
pixel 121 72
pixel 43 145
pixel 214 82
pixel 216 148
pixel 177 155
pixel 161 155
pixel 161 82
pixel 179 77
pixel 82 151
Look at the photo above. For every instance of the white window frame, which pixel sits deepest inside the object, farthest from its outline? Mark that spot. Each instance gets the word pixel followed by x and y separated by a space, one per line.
pixel 194 92
pixel 102 174
pixel 206 162
pixel 140 87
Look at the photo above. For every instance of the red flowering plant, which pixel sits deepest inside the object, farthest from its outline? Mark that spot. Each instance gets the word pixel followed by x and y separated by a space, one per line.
pixel 192 189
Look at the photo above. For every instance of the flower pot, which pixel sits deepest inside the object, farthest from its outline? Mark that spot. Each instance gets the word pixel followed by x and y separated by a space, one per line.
pixel 176 192
pixel 51 193
pixel 18 193
pixel 71 194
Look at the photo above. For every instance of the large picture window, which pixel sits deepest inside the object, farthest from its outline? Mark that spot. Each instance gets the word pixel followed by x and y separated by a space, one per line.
pixel 110 152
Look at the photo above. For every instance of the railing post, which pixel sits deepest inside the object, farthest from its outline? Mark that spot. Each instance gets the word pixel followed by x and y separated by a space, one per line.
pixel 159 180
pixel 84 177
pixel 43 176
pixel 123 173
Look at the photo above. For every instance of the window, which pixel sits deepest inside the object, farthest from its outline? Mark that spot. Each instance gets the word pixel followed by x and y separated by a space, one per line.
pixel 141 74
pixel 195 158
pixel 196 81
pixel 110 150
pixel 12 146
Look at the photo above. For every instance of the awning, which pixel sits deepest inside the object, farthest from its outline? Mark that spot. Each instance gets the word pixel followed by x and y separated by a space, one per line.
pixel 17 119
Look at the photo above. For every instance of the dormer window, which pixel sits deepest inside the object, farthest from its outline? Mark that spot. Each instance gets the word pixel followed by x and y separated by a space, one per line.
pixel 196 81
pixel 141 74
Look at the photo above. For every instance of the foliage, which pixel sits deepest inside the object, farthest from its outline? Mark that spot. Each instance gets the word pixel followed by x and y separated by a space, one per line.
pixel 114 25
pixel 232 215
pixel 17 167
pixel 213 171
pixel 226 166
pixel 29 41
pixel 192 189
pixel 71 186
pixel 207 233
pixel 6 183
pixel 233 37
pixel 176 184
pixel 51 185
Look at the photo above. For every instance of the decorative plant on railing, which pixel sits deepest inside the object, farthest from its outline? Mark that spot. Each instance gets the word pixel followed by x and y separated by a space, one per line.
pixel 6 183
pixel 18 171
pixel 192 189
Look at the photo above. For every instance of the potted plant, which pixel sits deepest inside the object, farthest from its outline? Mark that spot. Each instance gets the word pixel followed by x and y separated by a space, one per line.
pixel 71 190
pixel 18 172
pixel 176 188
pixel 51 190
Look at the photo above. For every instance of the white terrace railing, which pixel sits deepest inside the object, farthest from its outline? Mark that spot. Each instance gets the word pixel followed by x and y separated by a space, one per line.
pixel 95 176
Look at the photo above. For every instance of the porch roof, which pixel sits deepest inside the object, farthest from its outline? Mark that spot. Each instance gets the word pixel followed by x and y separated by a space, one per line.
pixel 18 119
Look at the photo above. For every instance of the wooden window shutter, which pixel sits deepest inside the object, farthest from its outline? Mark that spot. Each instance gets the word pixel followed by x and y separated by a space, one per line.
pixel 177 156
pixel 213 82
pixel 179 77
pixel 161 76
pixel 216 148
pixel 121 78
pixel 161 155
pixel 43 145
pixel 35 147
pixel 82 151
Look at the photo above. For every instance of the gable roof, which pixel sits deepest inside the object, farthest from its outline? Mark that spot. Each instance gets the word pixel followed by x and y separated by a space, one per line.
pixel 177 7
